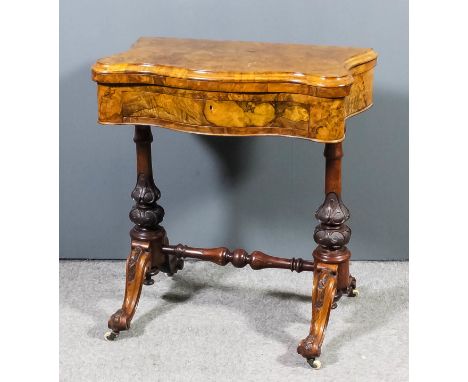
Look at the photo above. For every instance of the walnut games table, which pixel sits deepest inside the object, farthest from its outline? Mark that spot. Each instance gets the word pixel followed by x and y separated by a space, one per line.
pixel 234 88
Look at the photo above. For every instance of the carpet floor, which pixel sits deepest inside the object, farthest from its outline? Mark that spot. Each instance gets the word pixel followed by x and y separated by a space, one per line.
pixel 211 323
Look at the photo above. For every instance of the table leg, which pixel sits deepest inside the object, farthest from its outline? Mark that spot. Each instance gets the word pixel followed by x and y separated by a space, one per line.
pixel 148 237
pixel 331 257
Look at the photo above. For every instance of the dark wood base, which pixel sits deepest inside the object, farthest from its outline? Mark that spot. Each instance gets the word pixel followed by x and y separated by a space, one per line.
pixel 151 252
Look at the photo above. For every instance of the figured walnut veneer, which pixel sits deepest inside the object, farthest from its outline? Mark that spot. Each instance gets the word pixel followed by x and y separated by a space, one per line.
pixel 236 88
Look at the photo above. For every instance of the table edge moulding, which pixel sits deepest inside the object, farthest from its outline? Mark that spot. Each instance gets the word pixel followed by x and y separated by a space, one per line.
pixel 235 88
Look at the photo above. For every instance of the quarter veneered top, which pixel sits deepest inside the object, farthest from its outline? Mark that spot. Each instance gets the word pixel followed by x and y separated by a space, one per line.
pixel 228 65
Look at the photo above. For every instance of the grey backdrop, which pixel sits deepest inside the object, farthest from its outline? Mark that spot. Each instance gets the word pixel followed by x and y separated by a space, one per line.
pixel 255 193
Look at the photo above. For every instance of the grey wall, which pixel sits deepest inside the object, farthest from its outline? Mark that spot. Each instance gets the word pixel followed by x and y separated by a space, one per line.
pixel 256 193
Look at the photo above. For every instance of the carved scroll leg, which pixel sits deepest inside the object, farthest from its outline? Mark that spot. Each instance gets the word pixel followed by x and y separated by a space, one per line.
pixel 138 265
pixel 323 293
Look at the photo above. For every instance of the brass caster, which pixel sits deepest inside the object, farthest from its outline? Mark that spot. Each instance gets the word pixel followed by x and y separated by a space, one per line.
pixel 111 335
pixel 354 293
pixel 314 363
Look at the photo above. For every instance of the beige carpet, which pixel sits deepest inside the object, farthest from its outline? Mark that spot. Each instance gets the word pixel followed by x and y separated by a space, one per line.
pixel 211 323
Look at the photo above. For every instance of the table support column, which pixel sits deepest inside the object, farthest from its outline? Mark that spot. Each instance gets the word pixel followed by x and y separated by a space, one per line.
pixel 331 257
pixel 147 236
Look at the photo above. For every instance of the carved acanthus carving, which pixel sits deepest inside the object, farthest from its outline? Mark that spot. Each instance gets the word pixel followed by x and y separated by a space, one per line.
pixel 323 278
pixel 146 213
pixel 332 233
pixel 332 212
pixel 132 262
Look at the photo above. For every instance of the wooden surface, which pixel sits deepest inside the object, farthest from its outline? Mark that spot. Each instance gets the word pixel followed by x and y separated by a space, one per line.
pixel 239 258
pixel 323 293
pixel 236 88
pixel 234 63
pixel 333 153
pixel 331 257
pixel 138 264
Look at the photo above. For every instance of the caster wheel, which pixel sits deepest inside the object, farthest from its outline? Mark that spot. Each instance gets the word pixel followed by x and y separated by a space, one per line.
pixel 314 363
pixel 148 281
pixel 111 335
pixel 149 277
pixel 355 293
pixel 334 305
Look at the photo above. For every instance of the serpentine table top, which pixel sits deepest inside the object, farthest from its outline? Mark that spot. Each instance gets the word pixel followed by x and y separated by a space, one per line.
pixel 236 88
